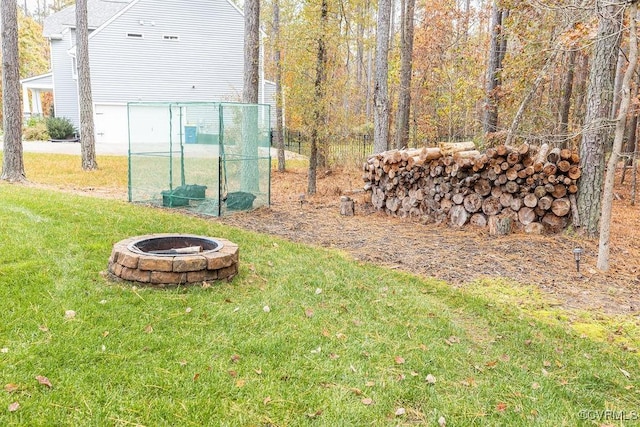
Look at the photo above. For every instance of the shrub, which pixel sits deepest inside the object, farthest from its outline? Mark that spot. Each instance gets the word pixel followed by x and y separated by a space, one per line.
pixel 60 128
pixel 35 129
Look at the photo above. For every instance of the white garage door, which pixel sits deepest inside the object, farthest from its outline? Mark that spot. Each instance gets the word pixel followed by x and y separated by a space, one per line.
pixel 111 124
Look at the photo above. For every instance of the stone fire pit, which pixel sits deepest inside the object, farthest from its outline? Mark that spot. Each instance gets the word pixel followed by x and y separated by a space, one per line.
pixel 173 259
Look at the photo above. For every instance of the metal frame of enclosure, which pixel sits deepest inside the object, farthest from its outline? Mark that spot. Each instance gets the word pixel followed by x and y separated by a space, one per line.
pixel 206 157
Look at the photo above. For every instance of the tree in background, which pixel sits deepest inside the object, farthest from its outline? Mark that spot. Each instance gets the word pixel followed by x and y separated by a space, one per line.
pixel 87 131
pixel 607 199
pixel 279 131
pixel 381 91
pixel 250 90
pixel 251 51
pixel 318 106
pixel 597 131
pixel 12 164
pixel 406 61
pixel 498 49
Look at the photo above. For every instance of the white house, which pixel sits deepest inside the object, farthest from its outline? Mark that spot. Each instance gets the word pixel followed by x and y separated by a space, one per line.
pixel 145 50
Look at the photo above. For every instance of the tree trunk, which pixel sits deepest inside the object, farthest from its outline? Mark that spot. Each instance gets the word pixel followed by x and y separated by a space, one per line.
pixel 381 91
pixel 565 101
pixel 318 113
pixel 87 131
pixel 607 199
pixel 13 163
pixel 250 89
pixel 597 123
pixel 406 59
pixel 279 133
pixel 251 51
pixel 496 54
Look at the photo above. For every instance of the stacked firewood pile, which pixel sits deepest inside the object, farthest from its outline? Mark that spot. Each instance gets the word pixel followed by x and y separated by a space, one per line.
pixel 529 187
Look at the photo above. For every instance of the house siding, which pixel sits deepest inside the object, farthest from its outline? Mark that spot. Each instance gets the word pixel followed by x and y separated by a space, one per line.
pixel 270 98
pixel 154 69
pixel 65 86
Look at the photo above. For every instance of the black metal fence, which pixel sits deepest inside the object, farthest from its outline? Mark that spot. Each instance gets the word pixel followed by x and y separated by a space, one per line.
pixel 340 151
pixel 347 150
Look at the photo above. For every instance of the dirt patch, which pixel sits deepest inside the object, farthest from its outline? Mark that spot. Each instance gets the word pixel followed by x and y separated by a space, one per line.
pixel 458 256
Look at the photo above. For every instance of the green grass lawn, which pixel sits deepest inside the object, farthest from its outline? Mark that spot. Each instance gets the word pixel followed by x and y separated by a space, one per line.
pixel 342 343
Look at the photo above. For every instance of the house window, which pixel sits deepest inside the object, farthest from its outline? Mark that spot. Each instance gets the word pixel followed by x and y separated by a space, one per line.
pixel 171 37
pixel 134 35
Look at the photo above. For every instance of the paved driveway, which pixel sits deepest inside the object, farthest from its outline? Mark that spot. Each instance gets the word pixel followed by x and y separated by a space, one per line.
pixel 110 149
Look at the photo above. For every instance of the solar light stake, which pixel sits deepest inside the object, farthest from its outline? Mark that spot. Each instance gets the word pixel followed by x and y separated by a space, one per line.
pixel 577 253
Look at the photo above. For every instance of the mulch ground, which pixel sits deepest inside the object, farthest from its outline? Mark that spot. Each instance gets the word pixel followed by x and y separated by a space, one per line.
pixel 458 256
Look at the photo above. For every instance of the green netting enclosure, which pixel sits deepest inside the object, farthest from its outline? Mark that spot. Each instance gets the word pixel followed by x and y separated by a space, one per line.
pixel 208 157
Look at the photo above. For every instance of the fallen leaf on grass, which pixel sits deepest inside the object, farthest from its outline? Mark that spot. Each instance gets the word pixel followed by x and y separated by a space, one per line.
pixel 258 371
pixel 469 382
pixel 369 384
pixel 196 377
pixel 535 386
pixel 431 379
pixel 399 360
pixel 4 350
pixel 188 310
pixel 266 400
pixel 69 314
pixel 44 381
pixel 308 312
pixel 10 388
pixel 625 373
pixel 501 407
pixel 183 362
pixel 314 414
pixel 233 374
pixel 13 407
pixel 148 329
pixel 333 356
pixel 235 358
pixel 341 336
pixel 545 373
pixel 105 334
pixel 442 422
pixel 367 401
pixel 505 358
pixel 356 391
pixel 491 364
pixel 400 412
pixel 240 383
pixel 43 328
pixel 546 364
